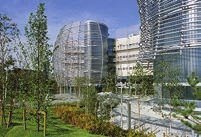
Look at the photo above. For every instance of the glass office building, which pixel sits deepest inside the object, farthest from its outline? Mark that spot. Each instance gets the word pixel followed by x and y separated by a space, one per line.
pixel 82 51
pixel 171 31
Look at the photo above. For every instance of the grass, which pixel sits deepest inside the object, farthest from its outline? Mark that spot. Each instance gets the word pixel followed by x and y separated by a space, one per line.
pixel 55 128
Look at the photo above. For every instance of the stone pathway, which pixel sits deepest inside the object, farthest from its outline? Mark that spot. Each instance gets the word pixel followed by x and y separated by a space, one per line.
pixel 151 121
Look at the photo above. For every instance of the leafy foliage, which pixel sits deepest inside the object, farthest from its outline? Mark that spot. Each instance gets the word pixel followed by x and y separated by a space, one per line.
pixel 106 101
pixel 9 36
pixel 186 110
pixel 39 56
pixel 79 85
pixel 109 82
pixel 90 123
pixel 193 81
pixel 143 81
pixel 90 98
pixel 167 75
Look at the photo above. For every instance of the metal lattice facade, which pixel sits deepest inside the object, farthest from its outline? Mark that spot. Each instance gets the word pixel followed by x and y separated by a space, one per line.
pixel 146 47
pixel 82 51
pixel 172 28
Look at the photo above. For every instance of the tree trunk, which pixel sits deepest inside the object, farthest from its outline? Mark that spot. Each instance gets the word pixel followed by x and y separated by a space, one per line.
pixel 38 122
pixel 24 118
pixel 1 120
pixel 10 114
pixel 9 118
pixel 78 105
pixel 3 117
pixel 45 119
pixel 139 111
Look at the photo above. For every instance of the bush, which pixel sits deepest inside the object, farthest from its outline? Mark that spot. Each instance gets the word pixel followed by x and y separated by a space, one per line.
pixel 89 122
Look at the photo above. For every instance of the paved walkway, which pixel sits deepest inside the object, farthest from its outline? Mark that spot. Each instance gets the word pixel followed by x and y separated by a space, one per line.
pixel 150 121
pixel 61 98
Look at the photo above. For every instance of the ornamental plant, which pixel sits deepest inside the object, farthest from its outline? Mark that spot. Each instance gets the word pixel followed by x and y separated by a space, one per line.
pixel 89 122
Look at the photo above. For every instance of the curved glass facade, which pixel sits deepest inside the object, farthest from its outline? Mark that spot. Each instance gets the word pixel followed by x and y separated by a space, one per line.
pixel 172 28
pixel 82 52
pixel 96 35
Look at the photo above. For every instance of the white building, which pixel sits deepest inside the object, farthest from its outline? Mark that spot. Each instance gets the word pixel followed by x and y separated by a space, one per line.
pixel 127 50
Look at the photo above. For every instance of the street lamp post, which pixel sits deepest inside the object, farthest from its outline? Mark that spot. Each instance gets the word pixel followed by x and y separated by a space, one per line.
pixel 129 107
pixel 129 114
pixel 121 86
pixel 70 82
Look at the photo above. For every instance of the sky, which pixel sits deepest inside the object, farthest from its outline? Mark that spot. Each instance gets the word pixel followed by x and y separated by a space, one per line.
pixel 121 16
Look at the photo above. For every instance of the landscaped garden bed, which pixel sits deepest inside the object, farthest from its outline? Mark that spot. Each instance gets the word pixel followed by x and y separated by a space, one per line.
pixel 94 125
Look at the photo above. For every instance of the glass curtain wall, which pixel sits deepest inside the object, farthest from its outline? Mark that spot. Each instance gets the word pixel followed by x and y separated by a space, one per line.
pixel 96 35
pixel 174 31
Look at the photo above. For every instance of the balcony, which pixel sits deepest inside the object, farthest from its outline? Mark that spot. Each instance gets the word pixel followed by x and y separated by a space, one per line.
pixel 74 61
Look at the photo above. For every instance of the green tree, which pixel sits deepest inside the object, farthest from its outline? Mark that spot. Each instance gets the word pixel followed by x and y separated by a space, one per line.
pixel 142 79
pixel 142 85
pixel 40 56
pixel 9 35
pixel 89 94
pixel 92 99
pixel 166 75
pixel 109 82
pixel 186 110
pixel 193 81
pixel 12 90
pixel 79 84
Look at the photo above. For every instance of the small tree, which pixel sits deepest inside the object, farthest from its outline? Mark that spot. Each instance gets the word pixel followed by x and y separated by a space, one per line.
pixel 186 110
pixel 109 82
pixel 8 40
pixel 166 74
pixel 142 84
pixel 89 94
pixel 40 56
pixel 79 83
pixel 12 89
pixel 92 99
pixel 193 81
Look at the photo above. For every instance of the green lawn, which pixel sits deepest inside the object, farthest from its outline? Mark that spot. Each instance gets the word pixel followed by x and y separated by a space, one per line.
pixel 55 128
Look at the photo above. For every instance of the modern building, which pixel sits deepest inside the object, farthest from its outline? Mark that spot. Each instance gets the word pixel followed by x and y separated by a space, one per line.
pixel 171 31
pixel 82 51
pixel 127 50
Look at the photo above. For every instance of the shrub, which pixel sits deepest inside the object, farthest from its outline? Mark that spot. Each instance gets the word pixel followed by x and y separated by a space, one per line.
pixel 89 122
